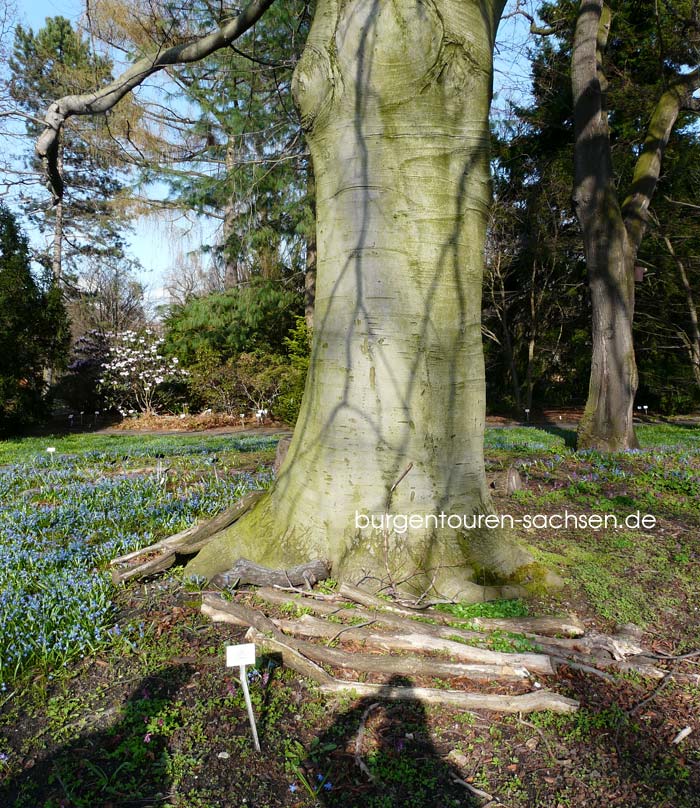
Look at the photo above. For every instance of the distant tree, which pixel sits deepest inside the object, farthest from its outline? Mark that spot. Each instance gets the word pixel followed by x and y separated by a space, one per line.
pixel 631 88
pixel 56 60
pixel 108 298
pixel 643 112
pixel 34 333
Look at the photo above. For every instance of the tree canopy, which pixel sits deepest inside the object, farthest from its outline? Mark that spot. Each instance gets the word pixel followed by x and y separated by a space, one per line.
pixel 34 332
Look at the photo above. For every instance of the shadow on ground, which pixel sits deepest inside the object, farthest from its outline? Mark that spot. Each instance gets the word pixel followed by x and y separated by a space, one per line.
pixel 99 768
pixel 378 754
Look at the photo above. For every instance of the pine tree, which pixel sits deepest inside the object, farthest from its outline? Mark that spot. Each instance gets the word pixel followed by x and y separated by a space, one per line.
pixel 56 60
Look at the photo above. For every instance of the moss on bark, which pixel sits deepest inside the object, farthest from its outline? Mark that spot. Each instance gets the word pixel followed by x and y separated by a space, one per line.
pixel 395 99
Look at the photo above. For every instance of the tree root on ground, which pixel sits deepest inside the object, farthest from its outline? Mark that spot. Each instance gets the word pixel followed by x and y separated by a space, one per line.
pixel 408 641
pixel 161 555
pixel 407 637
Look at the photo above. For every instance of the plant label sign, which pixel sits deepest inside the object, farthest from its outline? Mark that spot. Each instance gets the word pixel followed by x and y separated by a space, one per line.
pixel 240 655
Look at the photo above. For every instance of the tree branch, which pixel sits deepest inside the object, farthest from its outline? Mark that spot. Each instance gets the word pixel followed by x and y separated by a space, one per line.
pixel 679 96
pixel 106 97
pixel 535 29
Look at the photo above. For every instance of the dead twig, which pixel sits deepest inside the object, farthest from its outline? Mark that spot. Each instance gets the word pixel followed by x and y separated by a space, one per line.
pixel 349 628
pixel 662 684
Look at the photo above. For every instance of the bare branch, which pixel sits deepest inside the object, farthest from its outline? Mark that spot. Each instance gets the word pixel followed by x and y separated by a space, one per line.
pixel 106 97
pixel 535 29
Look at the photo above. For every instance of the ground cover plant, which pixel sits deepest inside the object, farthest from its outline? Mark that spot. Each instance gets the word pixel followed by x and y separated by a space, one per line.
pixel 66 513
pixel 147 714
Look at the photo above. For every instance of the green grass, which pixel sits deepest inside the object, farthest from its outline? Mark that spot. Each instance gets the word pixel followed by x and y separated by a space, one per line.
pixel 22 450
pixel 500 608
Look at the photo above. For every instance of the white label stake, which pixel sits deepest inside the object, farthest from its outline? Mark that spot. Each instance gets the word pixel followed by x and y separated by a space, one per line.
pixel 243 655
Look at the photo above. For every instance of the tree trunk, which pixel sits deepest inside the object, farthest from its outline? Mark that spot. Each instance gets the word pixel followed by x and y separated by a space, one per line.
pixel 607 420
pixel 395 100
pixel 692 343
pixel 529 383
pixel 57 247
pixel 503 314
pixel 310 274
pixel 234 273
pixel 57 251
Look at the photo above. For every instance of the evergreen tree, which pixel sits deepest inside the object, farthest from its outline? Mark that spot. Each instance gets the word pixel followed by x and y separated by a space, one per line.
pixel 34 333
pixel 257 316
pixel 56 60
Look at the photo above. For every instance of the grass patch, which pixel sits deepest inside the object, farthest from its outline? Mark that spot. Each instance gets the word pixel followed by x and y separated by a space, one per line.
pixel 499 608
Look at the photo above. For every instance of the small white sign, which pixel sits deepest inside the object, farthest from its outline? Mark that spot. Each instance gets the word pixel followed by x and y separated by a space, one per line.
pixel 243 654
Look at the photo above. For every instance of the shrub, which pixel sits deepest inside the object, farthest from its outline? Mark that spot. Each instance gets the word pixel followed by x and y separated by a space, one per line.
pixel 136 376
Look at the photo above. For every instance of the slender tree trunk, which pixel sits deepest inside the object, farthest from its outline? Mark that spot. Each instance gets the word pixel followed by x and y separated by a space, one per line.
pixel 692 342
pixel 234 275
pixel 503 316
pixel 395 100
pixel 529 384
pixel 607 419
pixel 57 252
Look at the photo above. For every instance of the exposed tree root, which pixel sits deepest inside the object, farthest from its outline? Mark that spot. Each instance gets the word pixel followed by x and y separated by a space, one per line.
pixel 303 658
pixel 161 555
pixel 569 625
pixel 393 664
pixel 525 703
pixel 417 640
pixel 412 630
pixel 247 572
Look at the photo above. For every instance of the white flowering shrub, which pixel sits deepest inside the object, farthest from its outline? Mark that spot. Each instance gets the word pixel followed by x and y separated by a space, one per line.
pixel 136 372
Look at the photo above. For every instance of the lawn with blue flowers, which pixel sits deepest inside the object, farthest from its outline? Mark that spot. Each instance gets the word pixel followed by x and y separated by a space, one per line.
pixel 116 697
pixel 65 513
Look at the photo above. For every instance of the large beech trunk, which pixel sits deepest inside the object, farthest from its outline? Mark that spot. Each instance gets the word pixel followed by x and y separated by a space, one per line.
pixel 395 99
pixel 607 419
pixel 610 253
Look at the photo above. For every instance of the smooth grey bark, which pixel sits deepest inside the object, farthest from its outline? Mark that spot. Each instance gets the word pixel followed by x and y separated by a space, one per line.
pixel 394 99
pixel 613 231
